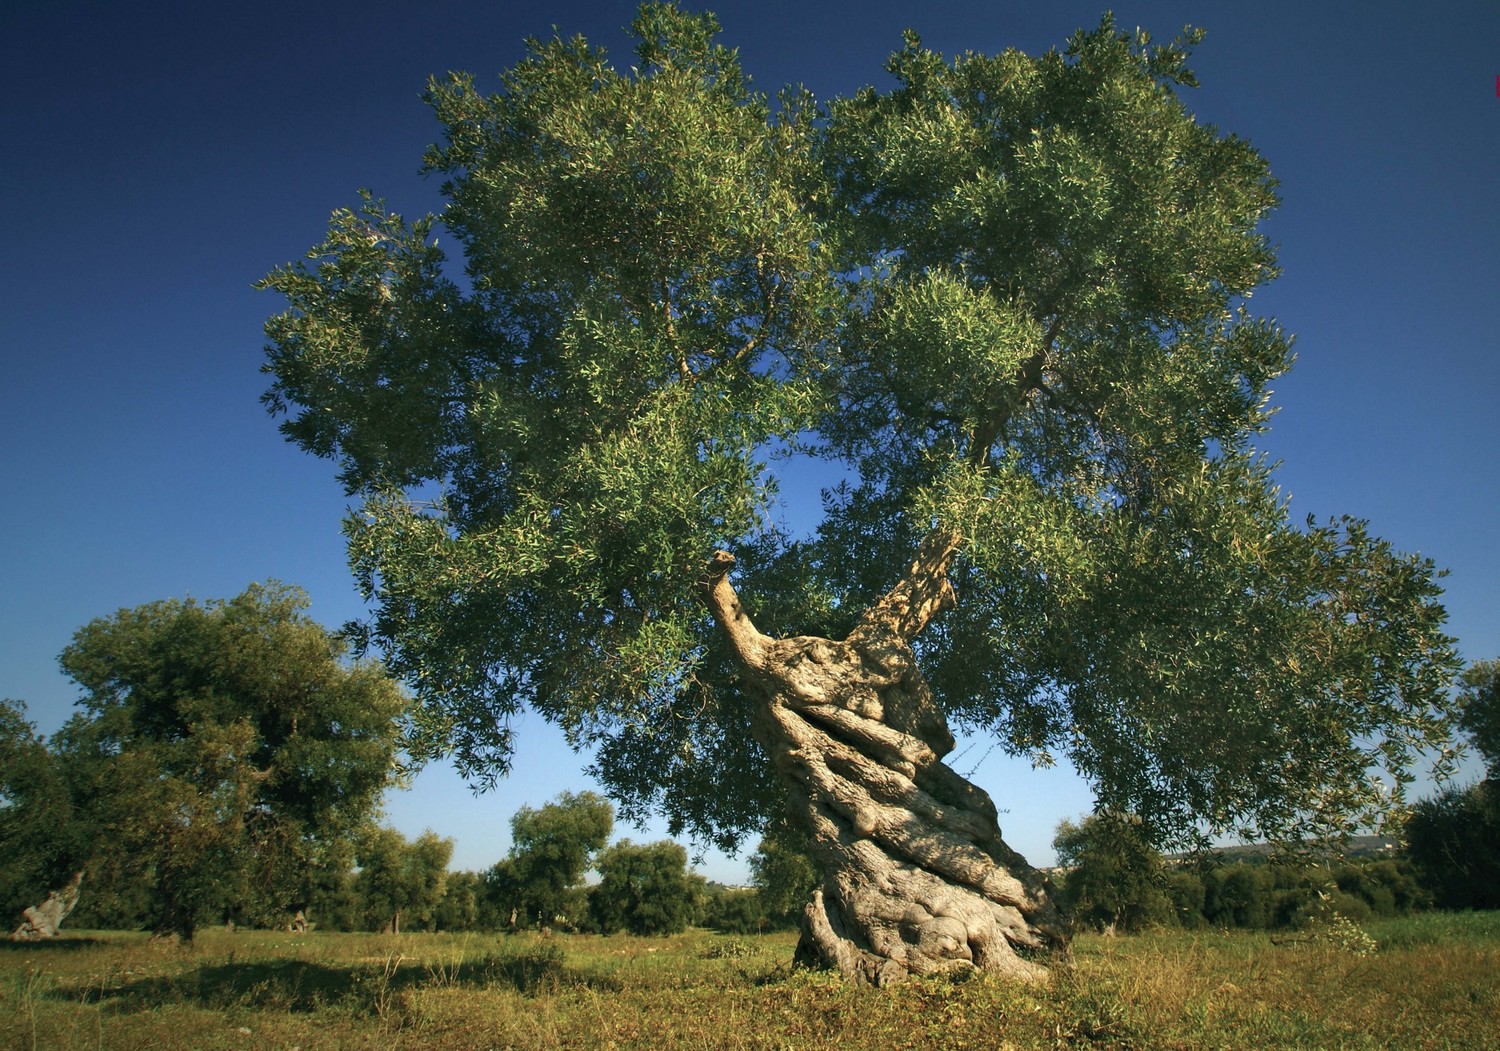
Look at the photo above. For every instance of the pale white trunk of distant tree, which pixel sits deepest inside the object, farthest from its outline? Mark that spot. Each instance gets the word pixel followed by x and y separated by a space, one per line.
pixel 44 920
pixel 916 877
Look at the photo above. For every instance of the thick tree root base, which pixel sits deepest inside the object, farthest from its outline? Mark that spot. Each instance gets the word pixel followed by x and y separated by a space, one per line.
pixel 916 877
pixel 920 943
pixel 882 916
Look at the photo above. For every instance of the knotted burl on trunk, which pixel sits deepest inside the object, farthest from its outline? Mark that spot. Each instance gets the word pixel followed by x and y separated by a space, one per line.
pixel 916 877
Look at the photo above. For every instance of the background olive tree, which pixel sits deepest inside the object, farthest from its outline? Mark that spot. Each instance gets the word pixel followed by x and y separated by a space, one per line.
pixel 645 889
pixel 783 875
pixel 401 881
pixel 540 882
pixel 42 839
pixel 1453 838
pixel 1113 877
pixel 221 754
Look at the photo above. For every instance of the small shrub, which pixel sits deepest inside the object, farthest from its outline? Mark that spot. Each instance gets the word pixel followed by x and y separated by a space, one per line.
pixel 1238 895
pixel 1186 892
pixel 736 912
pixel 728 949
pixel 1341 933
pixel 537 968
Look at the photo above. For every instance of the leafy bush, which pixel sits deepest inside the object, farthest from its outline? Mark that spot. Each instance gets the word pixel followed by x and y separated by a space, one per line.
pixel 1343 933
pixel 728 949
pixel 644 889
pixel 783 873
pixel 736 911
pixel 1238 895
pixel 1116 878
pixel 1185 891
pixel 1453 842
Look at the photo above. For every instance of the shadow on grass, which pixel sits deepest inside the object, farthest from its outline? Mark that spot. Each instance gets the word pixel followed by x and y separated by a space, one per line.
pixel 62 943
pixel 305 986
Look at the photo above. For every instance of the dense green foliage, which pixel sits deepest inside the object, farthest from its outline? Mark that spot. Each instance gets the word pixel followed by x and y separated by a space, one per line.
pixel 551 849
pixel 223 754
pixel 465 905
pixel 734 910
pixel 1454 840
pixel 644 889
pixel 1006 296
pixel 1480 718
pixel 1115 877
pixel 41 837
pixel 398 879
pixel 1250 896
pixel 1110 877
pixel 783 875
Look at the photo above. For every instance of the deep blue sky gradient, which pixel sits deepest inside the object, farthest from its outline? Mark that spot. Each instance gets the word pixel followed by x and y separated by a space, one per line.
pixel 160 157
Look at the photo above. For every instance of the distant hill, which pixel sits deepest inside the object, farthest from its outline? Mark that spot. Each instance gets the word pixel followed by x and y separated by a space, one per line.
pixel 1354 847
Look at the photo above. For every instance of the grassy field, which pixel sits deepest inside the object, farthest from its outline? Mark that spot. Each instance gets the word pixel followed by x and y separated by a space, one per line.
pixel 1426 982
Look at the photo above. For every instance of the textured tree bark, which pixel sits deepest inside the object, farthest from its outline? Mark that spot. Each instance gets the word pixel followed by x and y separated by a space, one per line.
pixel 916 877
pixel 45 920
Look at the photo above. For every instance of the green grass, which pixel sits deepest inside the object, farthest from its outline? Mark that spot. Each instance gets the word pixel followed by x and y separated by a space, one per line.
pixel 1431 982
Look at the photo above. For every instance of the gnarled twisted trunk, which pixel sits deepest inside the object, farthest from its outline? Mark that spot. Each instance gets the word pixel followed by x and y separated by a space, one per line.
pixel 45 920
pixel 916 878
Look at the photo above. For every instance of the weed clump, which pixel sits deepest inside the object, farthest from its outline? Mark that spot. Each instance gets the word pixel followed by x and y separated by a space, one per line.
pixel 728 949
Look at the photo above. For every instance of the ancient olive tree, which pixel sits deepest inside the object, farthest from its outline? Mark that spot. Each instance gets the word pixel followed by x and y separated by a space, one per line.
pixel 222 752
pixel 1001 305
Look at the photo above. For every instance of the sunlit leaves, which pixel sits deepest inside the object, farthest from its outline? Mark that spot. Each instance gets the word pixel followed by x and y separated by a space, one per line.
pixel 548 448
pixel 1007 296
pixel 551 848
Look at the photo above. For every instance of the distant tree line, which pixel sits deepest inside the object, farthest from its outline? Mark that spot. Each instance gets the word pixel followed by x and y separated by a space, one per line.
pixel 541 884
pixel 226 762
pixel 562 874
pixel 1111 876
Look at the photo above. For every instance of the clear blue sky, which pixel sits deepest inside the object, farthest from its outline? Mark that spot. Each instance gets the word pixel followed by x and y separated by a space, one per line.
pixel 160 157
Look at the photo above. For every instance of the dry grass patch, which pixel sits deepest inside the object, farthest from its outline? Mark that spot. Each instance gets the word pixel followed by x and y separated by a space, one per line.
pixel 1431 984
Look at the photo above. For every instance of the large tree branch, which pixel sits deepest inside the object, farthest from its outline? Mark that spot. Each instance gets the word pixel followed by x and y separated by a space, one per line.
pixel 724 603
pixel 1030 379
pixel 921 594
pixel 987 431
